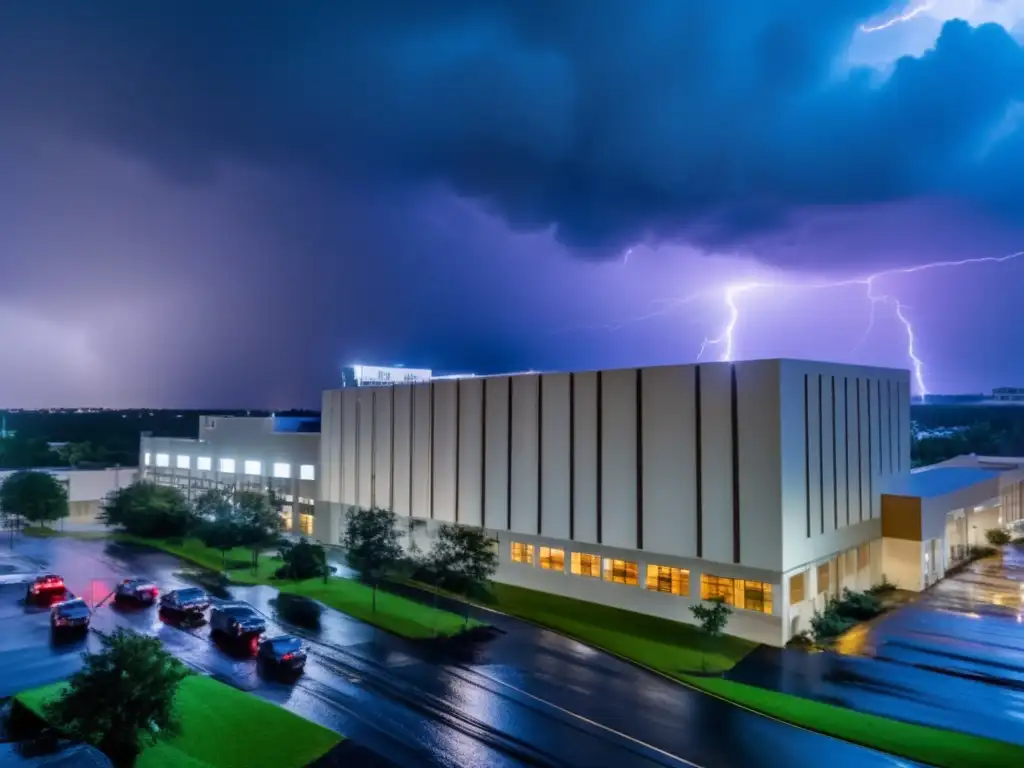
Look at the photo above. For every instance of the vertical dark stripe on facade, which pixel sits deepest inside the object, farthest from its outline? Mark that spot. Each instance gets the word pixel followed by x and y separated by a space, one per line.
pixel 483 455
pixel 540 453
pixel 821 458
pixel 639 458
pixel 835 461
pixel 846 442
pixel 373 449
pixel 807 450
pixel 899 429
pixel 412 448
pixel 735 430
pixel 888 410
pixel 879 389
pixel 458 441
pixel 860 463
pixel 391 463
pixel 508 460
pixel 357 499
pixel 341 447
pixel 698 451
pixel 600 452
pixel 871 454
pixel 572 456
pixel 430 456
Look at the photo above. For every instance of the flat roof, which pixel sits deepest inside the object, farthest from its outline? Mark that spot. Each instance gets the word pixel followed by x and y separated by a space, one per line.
pixel 938 481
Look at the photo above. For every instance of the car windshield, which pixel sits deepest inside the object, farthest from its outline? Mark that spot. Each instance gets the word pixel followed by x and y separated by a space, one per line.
pixel 190 594
pixel 241 612
pixel 73 605
pixel 286 644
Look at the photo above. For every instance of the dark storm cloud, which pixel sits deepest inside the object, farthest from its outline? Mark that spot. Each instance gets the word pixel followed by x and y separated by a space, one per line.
pixel 611 122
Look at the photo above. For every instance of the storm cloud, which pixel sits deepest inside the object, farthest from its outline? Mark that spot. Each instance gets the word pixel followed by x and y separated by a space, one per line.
pixel 709 121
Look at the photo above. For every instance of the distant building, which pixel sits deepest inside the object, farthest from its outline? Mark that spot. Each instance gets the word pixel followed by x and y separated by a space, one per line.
pixel 87 488
pixel 1008 394
pixel 381 376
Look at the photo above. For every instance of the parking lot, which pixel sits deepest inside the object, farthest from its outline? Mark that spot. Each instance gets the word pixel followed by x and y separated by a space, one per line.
pixel 953 659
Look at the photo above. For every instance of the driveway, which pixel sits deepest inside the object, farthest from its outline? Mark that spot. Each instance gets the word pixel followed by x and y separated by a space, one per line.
pixel 529 697
pixel 954 659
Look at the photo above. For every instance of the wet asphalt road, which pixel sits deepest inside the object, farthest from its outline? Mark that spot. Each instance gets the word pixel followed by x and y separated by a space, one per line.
pixel 529 697
pixel 954 659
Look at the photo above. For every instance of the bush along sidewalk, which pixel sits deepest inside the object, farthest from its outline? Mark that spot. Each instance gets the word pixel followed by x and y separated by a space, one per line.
pixel 842 613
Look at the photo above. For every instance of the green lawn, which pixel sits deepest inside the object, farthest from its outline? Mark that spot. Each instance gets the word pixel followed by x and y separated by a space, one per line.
pixel 400 615
pixel 42 532
pixel 222 727
pixel 676 649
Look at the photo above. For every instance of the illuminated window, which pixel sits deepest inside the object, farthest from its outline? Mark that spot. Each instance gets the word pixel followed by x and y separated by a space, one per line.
pixel 621 571
pixel 204 463
pixel 307 472
pixel 163 460
pixel 522 553
pixel 552 559
pixel 286 517
pixel 227 465
pixel 674 581
pixel 749 595
pixel 863 556
pixel 253 467
pixel 282 469
pixel 796 588
pixel 145 459
pixel 822 578
pixel 583 564
pixel 184 462
pixel 306 524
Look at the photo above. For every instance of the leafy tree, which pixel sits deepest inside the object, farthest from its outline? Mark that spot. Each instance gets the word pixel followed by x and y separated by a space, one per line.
pixel 123 697
pixel 997 537
pixel 713 614
pixel 304 560
pixel 149 510
pixel 36 496
pixel 258 516
pixel 372 546
pixel 218 527
pixel 462 560
pixel 25 453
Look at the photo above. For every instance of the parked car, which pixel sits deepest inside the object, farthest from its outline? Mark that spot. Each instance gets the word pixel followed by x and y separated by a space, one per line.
pixel 237 620
pixel 186 600
pixel 45 586
pixel 69 616
pixel 282 653
pixel 137 591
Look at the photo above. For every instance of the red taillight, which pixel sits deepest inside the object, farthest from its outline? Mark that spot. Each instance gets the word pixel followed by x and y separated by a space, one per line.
pixel 288 657
pixel 35 589
pixel 154 592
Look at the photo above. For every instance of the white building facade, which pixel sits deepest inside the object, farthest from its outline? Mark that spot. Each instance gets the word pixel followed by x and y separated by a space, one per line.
pixel 257 453
pixel 647 488
pixel 87 489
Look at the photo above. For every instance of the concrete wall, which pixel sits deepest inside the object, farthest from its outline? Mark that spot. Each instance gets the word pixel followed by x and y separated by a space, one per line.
pixel 87 488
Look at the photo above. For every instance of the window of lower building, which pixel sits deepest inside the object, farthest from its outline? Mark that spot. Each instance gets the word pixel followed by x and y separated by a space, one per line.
pixel 797 583
pixel 663 578
pixel 163 460
pixel 204 463
pixel 286 517
pixel 822 578
pixel 252 467
pixel 282 469
pixel 863 556
pixel 552 559
pixel 621 571
pixel 184 462
pixel 146 460
pixel 306 524
pixel 307 472
pixel 227 465
pixel 586 565
pixel 522 553
pixel 748 595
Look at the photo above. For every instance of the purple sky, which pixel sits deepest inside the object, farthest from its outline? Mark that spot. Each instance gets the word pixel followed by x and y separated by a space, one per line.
pixel 200 211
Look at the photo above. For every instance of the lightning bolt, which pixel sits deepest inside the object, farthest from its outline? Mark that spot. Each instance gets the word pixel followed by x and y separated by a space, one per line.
pixel 907 15
pixel 732 292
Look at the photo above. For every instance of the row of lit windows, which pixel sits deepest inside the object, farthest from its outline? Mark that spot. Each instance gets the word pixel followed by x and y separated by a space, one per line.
pixel 740 593
pixel 280 469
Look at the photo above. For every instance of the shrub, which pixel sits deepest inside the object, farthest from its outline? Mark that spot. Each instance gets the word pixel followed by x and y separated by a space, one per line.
pixel 302 561
pixel 858 606
pixel 997 537
pixel 829 623
pixel 149 510
pixel 713 614
pixel 884 587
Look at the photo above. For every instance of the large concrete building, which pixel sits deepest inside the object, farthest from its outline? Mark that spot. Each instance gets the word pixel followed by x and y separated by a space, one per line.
pixel 243 452
pixel 648 488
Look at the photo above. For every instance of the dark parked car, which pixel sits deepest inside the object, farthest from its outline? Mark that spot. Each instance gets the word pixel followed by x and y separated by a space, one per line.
pixel 45 587
pixel 137 591
pixel 237 620
pixel 69 616
pixel 187 600
pixel 283 653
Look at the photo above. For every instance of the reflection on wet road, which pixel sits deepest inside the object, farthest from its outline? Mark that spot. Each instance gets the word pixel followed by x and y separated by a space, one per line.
pixel 954 659
pixel 529 697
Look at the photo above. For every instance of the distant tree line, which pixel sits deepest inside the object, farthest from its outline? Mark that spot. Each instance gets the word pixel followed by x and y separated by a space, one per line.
pixel 984 430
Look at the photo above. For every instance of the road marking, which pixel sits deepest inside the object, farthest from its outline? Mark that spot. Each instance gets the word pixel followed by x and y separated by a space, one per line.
pixel 587 720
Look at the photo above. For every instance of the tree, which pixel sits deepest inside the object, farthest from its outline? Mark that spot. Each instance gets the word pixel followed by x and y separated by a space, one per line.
pixel 462 560
pixel 259 521
pixel 302 561
pixel 997 537
pixel 218 527
pixel 38 497
pixel 713 614
pixel 372 546
pixel 123 696
pixel 149 510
